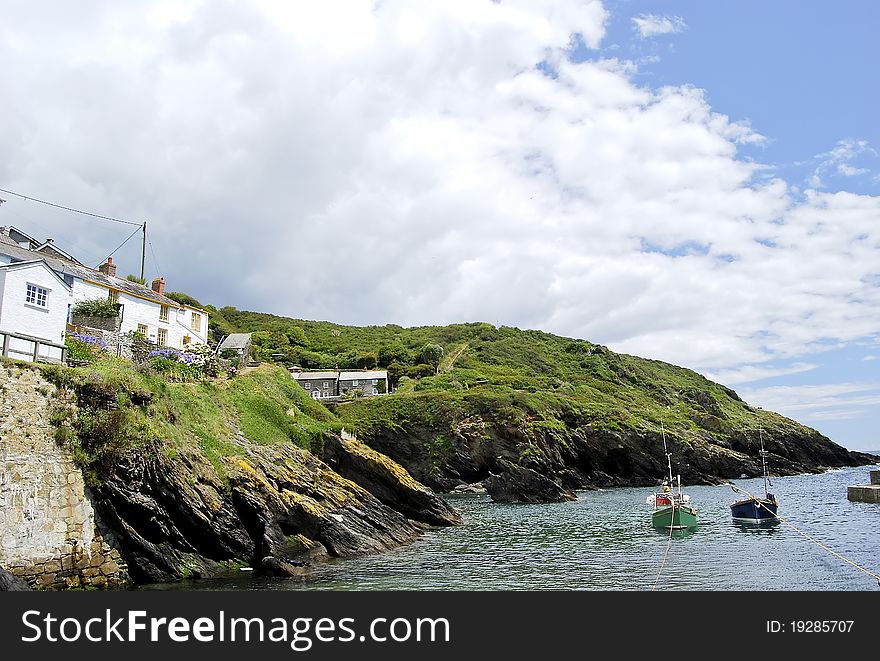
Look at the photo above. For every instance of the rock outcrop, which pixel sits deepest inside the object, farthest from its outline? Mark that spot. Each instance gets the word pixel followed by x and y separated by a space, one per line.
pixel 516 484
pixel 11 583
pixel 582 456
pixel 386 480
pixel 276 508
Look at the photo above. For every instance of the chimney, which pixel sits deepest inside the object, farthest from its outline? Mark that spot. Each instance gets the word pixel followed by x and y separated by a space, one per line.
pixel 108 268
pixel 158 286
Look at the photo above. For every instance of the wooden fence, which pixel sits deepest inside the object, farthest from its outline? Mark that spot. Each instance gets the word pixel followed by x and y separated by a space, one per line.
pixel 12 348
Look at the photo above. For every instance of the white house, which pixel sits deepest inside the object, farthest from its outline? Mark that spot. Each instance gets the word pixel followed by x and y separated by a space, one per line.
pixel 67 281
pixel 143 309
pixel 34 302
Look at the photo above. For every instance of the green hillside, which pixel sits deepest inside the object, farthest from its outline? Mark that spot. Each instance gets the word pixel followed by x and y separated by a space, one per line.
pixel 470 393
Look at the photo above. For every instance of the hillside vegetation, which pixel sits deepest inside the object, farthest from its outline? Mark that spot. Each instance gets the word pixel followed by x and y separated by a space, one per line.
pixel 468 394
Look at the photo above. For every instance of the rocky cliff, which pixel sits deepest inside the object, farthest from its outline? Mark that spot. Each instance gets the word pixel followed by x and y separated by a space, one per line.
pixel 200 479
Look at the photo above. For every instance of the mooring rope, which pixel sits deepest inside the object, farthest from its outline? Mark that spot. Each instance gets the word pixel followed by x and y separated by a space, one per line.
pixel 668 545
pixel 815 541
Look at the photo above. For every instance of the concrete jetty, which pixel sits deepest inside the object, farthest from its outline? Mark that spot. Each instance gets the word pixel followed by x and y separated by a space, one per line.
pixel 866 493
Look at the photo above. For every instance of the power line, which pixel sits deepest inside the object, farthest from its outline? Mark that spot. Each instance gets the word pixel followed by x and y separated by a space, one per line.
pixel 124 242
pixel 61 206
pixel 155 261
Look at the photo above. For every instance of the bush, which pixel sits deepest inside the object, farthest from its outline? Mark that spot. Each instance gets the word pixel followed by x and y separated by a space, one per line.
pixel 195 363
pixel 84 348
pixel 97 307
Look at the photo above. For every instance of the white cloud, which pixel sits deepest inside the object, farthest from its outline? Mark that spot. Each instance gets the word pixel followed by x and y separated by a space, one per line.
pixel 839 161
pixel 376 163
pixel 650 25
pixel 839 401
pixel 850 171
pixel 871 357
pixel 750 373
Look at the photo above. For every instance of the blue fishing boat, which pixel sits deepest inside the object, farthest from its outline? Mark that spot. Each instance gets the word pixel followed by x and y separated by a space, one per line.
pixel 752 509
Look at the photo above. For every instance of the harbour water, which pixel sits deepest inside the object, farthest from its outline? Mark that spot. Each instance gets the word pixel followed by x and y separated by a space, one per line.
pixel 604 541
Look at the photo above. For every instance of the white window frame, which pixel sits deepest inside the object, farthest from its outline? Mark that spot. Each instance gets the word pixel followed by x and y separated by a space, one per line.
pixel 307 386
pixel 326 384
pixel 35 300
pixel 163 313
pixel 162 343
pixel 192 323
pixel 354 382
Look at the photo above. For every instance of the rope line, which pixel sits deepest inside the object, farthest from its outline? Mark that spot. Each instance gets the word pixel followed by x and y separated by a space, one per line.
pixel 811 538
pixel 668 546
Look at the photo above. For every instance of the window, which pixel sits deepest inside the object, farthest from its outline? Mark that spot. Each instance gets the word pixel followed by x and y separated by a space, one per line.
pixel 38 296
pixel 307 386
pixel 142 329
pixel 163 313
pixel 186 340
pixel 162 337
pixel 326 385
pixel 354 383
pixel 196 322
pixel 373 382
pixel 113 295
pixel 375 391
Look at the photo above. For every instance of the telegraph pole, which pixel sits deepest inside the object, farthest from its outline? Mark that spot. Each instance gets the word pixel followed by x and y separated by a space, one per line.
pixel 144 250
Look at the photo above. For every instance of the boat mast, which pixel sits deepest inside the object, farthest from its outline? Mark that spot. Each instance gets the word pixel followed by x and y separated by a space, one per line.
pixel 763 461
pixel 667 453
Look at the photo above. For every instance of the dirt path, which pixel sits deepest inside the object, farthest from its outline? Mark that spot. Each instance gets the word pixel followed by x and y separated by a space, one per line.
pixel 448 361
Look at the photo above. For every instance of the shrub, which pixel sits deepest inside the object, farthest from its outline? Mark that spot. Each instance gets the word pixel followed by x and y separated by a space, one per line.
pixel 84 348
pixel 97 307
pixel 195 363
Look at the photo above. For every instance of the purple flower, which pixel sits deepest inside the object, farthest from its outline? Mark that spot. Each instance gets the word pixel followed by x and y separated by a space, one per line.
pixel 90 340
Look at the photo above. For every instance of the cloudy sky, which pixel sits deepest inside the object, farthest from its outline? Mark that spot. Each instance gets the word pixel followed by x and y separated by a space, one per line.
pixel 693 182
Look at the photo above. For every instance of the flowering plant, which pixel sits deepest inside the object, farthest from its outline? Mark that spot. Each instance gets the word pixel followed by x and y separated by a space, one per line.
pixel 192 363
pixel 91 340
pixel 83 348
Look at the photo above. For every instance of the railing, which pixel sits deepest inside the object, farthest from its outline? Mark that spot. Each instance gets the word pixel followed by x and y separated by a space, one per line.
pixel 33 350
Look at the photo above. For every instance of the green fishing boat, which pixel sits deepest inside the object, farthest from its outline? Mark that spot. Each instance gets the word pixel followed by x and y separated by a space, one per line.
pixel 671 510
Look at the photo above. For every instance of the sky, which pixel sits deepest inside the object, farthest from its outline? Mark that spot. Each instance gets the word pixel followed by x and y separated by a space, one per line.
pixel 693 182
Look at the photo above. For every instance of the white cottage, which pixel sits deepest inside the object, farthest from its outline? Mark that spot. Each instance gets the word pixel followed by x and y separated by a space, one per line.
pixel 34 303
pixel 144 309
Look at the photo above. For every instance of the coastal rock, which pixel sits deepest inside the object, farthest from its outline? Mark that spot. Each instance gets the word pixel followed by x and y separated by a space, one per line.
pixel 278 509
pixel 516 484
pixel 388 481
pixel 11 583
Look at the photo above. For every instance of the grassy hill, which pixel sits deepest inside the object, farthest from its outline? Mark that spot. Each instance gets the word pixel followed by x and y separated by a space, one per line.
pixel 470 393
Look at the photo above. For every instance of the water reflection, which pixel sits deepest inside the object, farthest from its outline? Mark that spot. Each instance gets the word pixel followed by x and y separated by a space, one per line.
pixel 767 527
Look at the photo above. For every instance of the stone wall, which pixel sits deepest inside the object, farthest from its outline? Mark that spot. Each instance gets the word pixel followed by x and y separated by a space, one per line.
pixel 49 533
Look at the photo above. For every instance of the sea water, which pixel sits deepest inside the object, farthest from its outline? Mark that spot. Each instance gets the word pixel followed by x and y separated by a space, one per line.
pixel 604 541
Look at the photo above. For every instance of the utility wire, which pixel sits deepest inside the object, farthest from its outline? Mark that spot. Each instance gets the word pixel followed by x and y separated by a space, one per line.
pixel 124 242
pixel 155 261
pixel 61 206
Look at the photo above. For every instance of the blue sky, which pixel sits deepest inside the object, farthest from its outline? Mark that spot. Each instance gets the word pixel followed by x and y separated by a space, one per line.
pixel 695 182
pixel 803 75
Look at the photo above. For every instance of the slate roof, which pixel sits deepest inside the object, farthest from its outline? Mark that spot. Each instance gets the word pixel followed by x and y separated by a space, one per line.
pixel 366 374
pixel 235 341
pixel 304 376
pixel 16 252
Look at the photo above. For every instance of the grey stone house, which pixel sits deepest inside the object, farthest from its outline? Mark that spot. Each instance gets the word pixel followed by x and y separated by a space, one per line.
pixel 326 384
pixel 369 382
pixel 319 385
